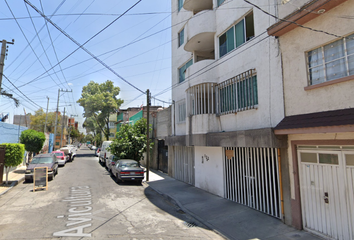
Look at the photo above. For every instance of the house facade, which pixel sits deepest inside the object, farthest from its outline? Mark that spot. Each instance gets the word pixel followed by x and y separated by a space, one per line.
pixel 318 73
pixel 227 94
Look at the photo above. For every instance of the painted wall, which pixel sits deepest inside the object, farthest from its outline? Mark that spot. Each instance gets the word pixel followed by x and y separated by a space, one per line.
pixel 260 53
pixel 209 169
pixel 295 44
pixel 10 133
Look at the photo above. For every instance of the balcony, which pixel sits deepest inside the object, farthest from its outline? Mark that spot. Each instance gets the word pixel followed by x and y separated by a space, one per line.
pixel 199 72
pixel 196 6
pixel 200 31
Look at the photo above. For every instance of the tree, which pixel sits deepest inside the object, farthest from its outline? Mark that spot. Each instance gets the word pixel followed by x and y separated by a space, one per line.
pixel 8 95
pixel 130 141
pixel 14 154
pixel 38 121
pixel 99 101
pixel 32 140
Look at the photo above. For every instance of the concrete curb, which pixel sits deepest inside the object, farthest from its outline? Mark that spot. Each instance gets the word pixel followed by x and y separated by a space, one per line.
pixel 13 185
pixel 176 202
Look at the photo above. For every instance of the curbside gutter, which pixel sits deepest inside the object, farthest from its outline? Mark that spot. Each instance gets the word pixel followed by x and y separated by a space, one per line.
pixel 176 202
pixel 13 184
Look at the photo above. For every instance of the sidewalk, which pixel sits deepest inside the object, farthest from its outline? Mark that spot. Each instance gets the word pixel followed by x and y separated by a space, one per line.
pixel 14 178
pixel 229 219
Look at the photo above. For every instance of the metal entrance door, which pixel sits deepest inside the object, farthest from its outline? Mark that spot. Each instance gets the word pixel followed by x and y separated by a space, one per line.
pixel 184 164
pixel 162 157
pixel 252 179
pixel 326 185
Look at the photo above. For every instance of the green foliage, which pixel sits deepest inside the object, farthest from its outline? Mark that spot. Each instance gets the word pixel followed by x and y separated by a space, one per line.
pixel 32 140
pixel 38 121
pixel 130 142
pixel 14 154
pixel 99 101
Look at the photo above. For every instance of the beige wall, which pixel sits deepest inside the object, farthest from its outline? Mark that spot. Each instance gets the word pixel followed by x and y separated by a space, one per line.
pixel 294 46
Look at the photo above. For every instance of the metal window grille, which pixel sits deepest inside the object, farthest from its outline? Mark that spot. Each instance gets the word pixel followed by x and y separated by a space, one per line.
pixel 252 178
pixel 201 99
pixel 238 93
pixel 182 112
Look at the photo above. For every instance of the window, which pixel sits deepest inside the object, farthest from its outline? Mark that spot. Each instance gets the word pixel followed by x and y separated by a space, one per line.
pixel 237 35
pixel 112 135
pixel 332 61
pixel 180 5
pixel 181 37
pixel 112 125
pixel 182 111
pixel 182 70
pixel 238 93
pixel 220 2
pixel 201 99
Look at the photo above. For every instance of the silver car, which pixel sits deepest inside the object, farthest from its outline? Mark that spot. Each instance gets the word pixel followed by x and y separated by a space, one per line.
pixel 128 170
pixel 111 162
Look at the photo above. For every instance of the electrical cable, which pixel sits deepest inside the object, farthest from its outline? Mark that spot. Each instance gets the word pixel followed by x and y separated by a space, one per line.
pixel 297 24
pixel 78 44
pixel 21 91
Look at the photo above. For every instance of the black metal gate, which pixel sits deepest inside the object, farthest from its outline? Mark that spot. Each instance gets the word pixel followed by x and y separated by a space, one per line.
pixel 162 159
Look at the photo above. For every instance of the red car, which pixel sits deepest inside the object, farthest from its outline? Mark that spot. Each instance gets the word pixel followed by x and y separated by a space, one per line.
pixel 62 158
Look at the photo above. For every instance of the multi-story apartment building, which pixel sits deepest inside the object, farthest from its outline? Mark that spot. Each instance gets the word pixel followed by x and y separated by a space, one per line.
pixel 318 74
pixel 227 98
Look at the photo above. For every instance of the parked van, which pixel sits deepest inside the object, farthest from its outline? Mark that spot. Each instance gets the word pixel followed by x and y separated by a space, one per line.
pixel 104 153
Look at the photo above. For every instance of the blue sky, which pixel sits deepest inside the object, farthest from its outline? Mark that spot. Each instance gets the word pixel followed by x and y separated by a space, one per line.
pixel 137 46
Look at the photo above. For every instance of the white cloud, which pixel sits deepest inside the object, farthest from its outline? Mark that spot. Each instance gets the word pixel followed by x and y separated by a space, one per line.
pixel 70 84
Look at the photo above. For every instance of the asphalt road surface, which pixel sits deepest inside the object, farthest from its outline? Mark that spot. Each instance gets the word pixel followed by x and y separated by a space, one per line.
pixel 84 202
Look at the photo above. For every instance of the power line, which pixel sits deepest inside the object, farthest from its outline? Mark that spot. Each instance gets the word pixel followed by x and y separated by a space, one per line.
pixel 21 91
pixel 78 44
pixel 297 24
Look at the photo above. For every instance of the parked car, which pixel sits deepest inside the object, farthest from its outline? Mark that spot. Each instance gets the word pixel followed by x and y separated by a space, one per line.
pixel 128 170
pixel 111 162
pixel 69 151
pixel 43 160
pixel 93 148
pixel 104 153
pixel 62 158
pixel 97 153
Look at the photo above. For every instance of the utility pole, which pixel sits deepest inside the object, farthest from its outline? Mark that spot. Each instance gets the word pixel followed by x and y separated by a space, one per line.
pixel 147 135
pixel 57 112
pixel 62 129
pixel 46 116
pixel 2 57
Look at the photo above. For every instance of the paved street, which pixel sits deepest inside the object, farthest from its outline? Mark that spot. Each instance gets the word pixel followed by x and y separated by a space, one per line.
pixel 84 202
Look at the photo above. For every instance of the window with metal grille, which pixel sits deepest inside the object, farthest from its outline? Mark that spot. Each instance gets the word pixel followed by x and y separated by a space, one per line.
pixel 238 93
pixel 182 70
pixel 181 37
pixel 237 35
pixel 201 99
pixel 331 61
pixel 182 111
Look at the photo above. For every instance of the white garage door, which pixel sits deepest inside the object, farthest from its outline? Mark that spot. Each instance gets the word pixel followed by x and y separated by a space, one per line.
pixel 326 185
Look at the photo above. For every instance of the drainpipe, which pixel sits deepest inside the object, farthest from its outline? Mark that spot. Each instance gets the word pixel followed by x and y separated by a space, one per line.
pixel 281 186
pixel 174 117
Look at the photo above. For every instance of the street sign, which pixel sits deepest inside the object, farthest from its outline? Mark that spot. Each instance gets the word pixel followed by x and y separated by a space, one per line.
pixel 40 178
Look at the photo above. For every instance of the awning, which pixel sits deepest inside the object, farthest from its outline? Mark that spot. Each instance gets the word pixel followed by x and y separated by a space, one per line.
pixel 320 122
